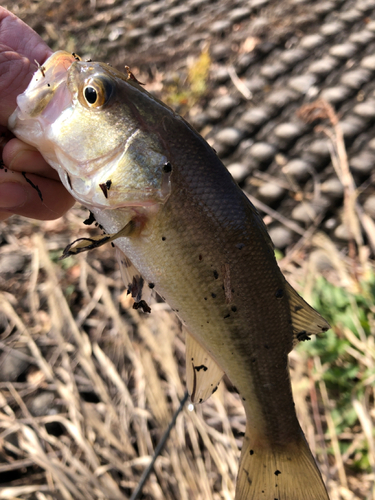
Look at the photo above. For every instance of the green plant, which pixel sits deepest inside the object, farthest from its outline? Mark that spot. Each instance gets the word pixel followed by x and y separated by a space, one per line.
pixel 344 360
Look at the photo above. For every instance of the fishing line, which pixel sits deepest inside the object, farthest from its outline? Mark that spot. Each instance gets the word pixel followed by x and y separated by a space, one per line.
pixel 158 450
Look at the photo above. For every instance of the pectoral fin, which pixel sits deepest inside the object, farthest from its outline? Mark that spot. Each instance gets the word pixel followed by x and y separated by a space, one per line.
pixel 202 372
pixel 84 244
pixel 305 320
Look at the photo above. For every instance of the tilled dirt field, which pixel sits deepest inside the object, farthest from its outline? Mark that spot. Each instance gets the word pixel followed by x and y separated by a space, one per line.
pixel 284 91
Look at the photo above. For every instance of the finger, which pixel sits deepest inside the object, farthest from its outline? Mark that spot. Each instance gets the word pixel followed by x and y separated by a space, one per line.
pixel 32 196
pixel 19 47
pixel 21 157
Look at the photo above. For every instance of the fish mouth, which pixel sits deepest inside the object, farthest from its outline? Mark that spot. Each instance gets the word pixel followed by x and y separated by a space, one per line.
pixel 47 94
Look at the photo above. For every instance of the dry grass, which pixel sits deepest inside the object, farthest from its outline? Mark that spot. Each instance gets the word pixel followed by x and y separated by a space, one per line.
pixel 132 364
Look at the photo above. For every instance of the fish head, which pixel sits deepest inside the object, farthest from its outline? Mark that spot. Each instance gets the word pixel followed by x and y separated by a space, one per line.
pixel 92 124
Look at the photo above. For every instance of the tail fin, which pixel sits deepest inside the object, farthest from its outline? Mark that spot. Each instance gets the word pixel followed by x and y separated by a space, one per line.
pixel 280 473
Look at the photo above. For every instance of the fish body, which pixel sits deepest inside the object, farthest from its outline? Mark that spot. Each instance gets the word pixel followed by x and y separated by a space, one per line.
pixel 194 237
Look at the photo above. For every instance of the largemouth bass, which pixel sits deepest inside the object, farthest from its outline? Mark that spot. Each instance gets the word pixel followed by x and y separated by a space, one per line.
pixel 184 228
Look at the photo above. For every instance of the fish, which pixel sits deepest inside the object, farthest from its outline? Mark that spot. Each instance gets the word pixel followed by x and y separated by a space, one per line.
pixel 183 228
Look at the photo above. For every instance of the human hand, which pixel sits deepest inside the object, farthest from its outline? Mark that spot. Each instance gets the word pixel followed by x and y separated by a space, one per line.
pixel 28 185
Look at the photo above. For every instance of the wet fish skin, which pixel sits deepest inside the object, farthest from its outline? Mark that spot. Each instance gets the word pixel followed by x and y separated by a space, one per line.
pixel 200 243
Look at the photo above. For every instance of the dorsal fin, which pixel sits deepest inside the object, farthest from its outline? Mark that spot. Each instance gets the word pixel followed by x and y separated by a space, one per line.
pixel 305 320
pixel 202 372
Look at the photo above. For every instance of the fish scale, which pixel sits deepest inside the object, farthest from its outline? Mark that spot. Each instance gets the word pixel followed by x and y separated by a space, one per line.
pixel 183 227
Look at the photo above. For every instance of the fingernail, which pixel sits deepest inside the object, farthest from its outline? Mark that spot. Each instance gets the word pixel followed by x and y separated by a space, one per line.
pixel 12 195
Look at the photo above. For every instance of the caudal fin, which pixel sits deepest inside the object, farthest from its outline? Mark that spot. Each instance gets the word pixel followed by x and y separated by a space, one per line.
pixel 278 473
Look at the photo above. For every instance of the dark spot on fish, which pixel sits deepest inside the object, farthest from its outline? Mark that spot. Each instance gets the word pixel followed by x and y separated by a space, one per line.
pixel 89 220
pixel 200 400
pixel 301 336
pixel 227 316
pixel 142 304
pixel 192 359
pixel 167 167
pixel 69 181
pixel 112 244
pixel 277 472
pixel 151 285
pixel 240 246
pixel 214 390
pixel 200 367
pixel 216 275
pixel 234 309
pixel 108 184
pixel 253 360
pixel 279 293
pixel 33 185
pixel 205 298
pixel 163 238
pixel 251 452
pixel 213 295
pixel 76 57
pixel 48 85
pixel 297 308
pixel 207 322
pixel 200 257
pixel 266 346
pixel 323 328
pixel 177 310
pixel 104 188
pixel 243 399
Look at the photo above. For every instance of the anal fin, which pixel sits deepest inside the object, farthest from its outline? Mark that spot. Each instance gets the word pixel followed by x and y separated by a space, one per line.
pixel 202 372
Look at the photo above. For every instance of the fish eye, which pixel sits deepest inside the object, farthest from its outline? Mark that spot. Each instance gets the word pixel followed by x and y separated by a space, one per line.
pixel 91 95
pixel 97 92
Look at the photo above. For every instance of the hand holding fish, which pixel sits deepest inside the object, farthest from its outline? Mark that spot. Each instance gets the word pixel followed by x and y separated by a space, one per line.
pixel 24 168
